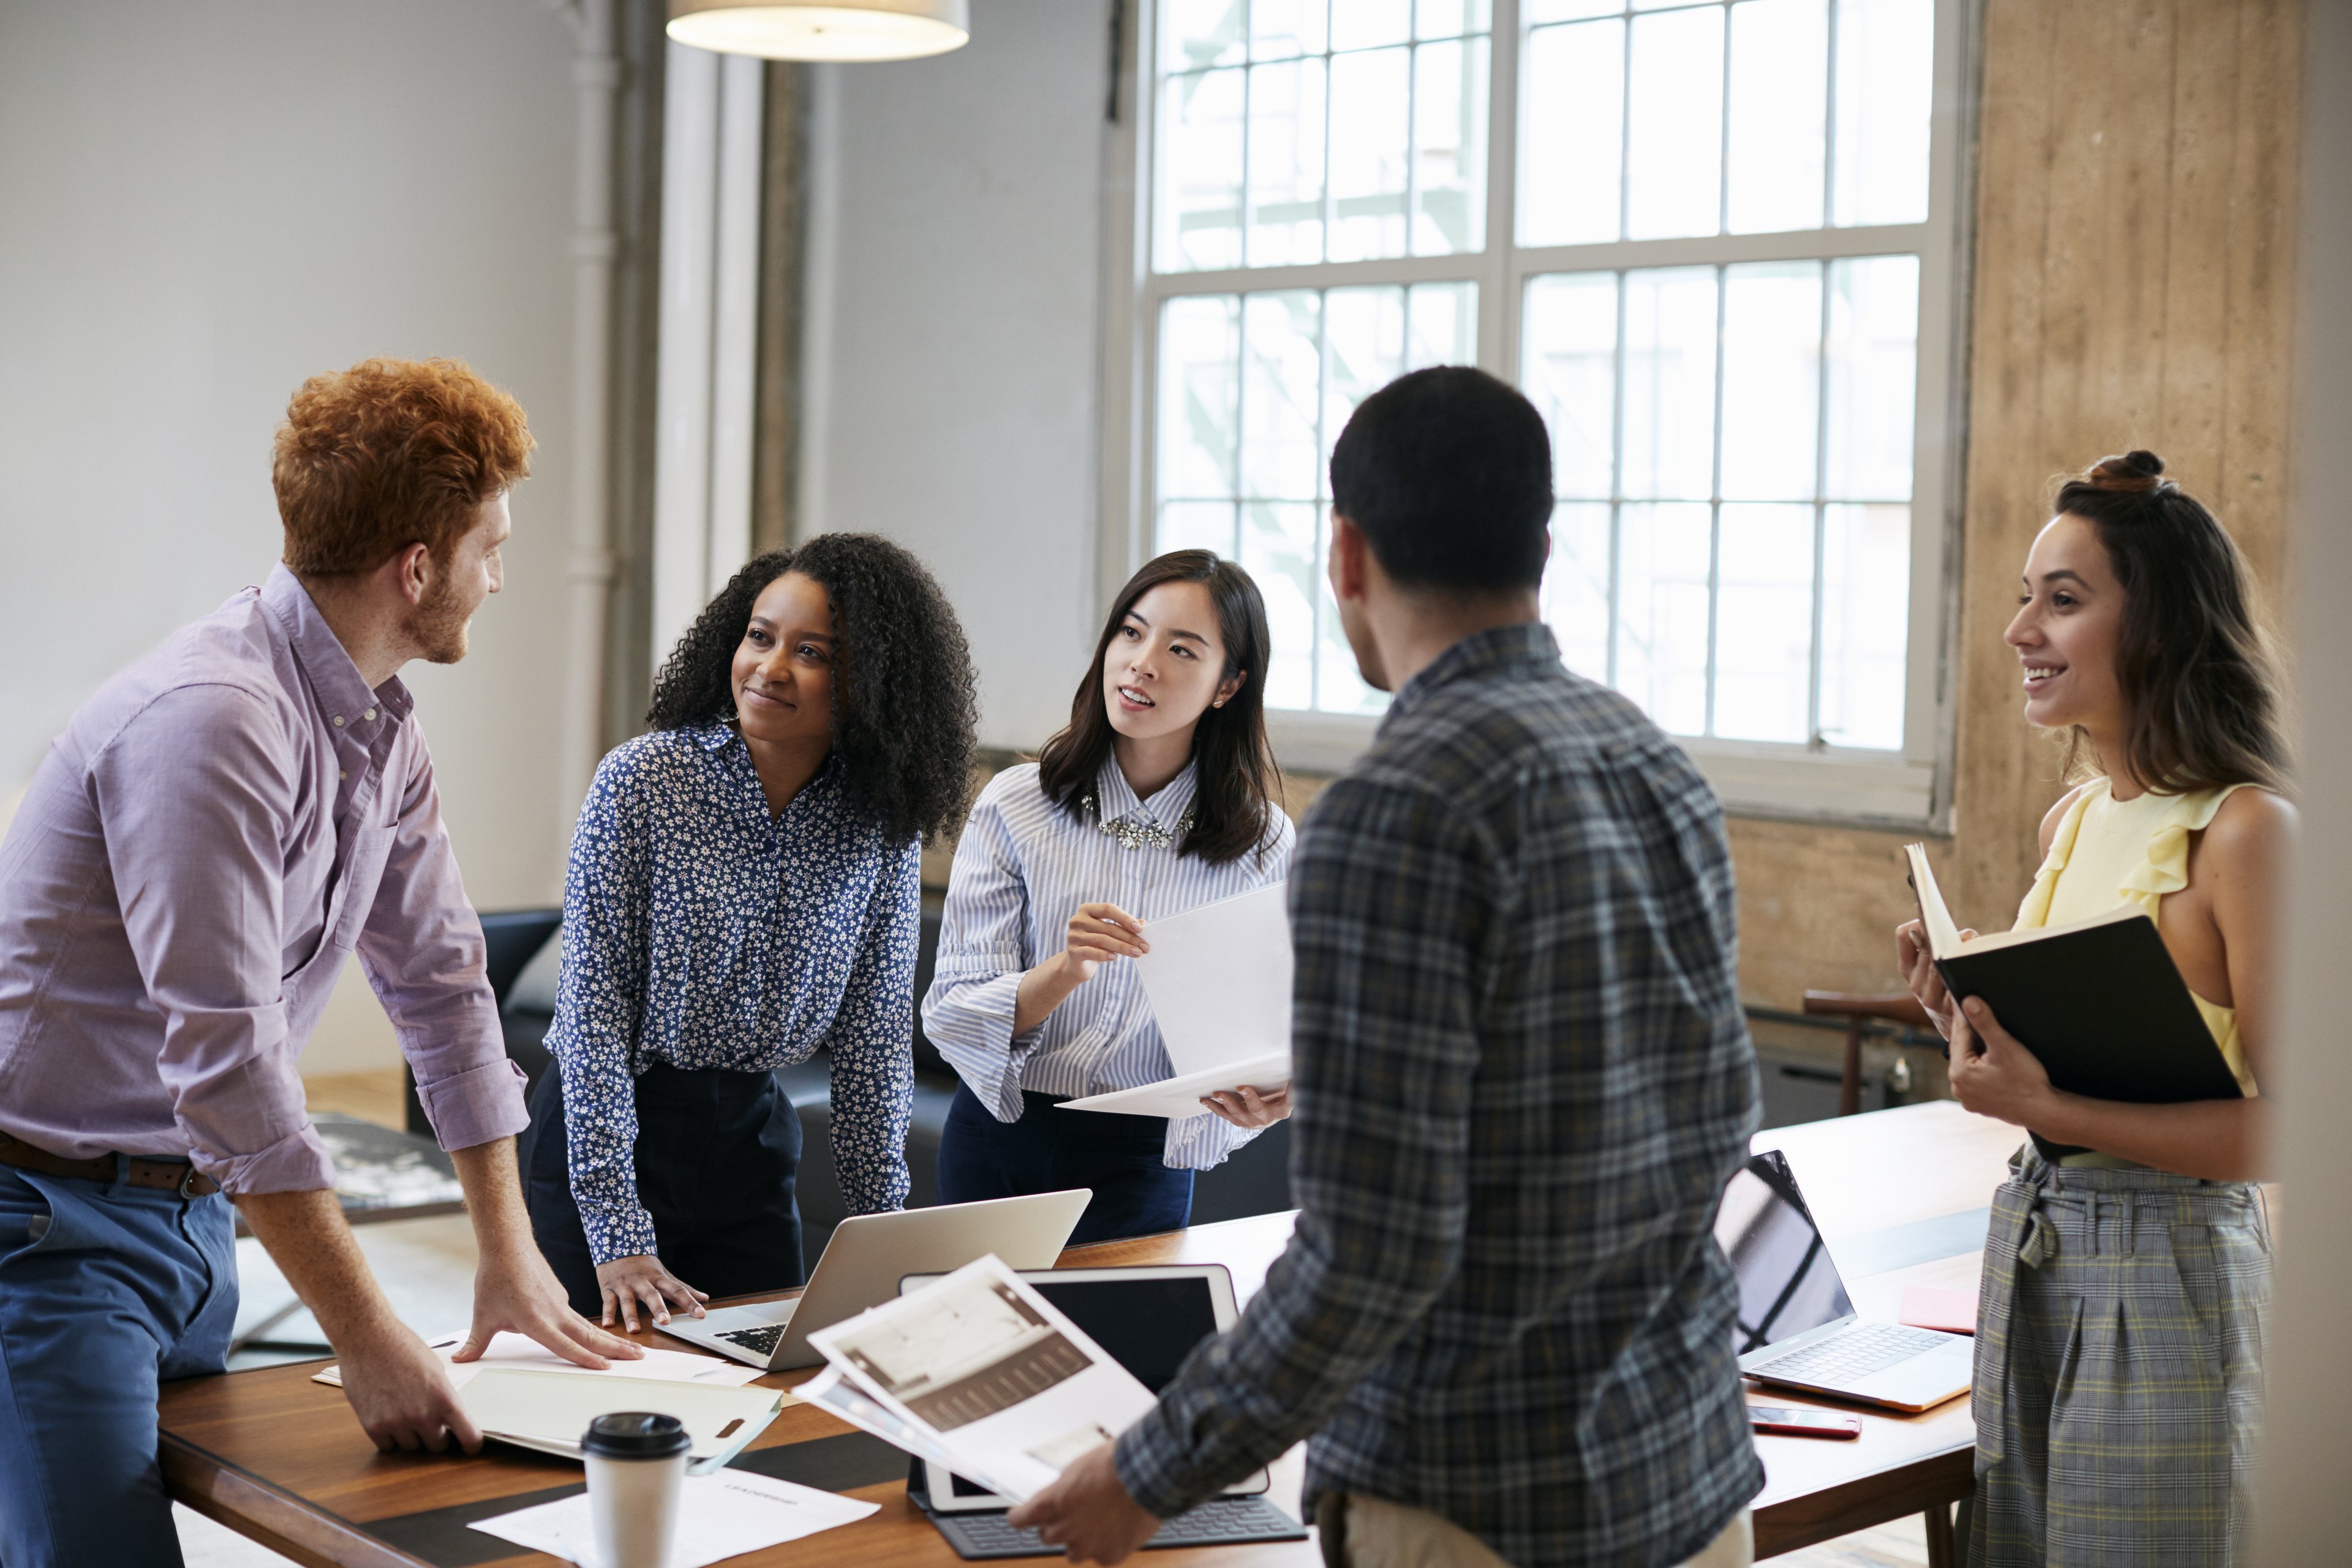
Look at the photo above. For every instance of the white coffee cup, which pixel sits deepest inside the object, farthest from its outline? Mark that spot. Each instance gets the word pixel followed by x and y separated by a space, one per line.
pixel 637 1469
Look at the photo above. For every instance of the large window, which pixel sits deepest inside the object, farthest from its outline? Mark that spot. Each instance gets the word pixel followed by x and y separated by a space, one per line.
pixel 1714 242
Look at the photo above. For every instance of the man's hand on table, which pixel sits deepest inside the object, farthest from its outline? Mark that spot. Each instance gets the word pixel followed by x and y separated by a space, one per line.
pixel 1088 1512
pixel 517 1291
pixel 402 1393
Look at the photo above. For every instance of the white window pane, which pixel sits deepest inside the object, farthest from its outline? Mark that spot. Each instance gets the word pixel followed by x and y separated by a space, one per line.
pixel 1576 586
pixel 1370 94
pixel 1451 18
pixel 1443 325
pixel 1669 408
pixel 1278 551
pixel 1568 367
pixel 1536 12
pixel 1200 171
pixel 1572 143
pixel 1286 156
pixel 1194 34
pixel 1339 685
pixel 1874 359
pixel 1364 329
pixel 1368 24
pixel 1281 380
pixel 1764 622
pixel 1282 29
pixel 1779 93
pixel 1450 147
pixel 1196 525
pixel 1674 161
pixel 1200 366
pixel 1662 613
pixel 1885 83
pixel 1866 623
pixel 1771 379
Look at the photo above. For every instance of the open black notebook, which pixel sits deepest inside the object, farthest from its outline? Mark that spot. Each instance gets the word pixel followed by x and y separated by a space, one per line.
pixel 2099 1001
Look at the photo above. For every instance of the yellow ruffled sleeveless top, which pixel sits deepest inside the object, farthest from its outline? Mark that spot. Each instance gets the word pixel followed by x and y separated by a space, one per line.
pixel 2107 853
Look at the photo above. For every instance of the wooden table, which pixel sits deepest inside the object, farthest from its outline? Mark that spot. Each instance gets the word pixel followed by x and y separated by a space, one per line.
pixel 278 1457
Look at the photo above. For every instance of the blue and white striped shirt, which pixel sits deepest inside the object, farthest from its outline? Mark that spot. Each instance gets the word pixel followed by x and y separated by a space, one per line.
pixel 1021 868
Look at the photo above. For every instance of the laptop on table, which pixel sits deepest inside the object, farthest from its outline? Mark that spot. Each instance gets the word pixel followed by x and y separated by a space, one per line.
pixel 1796 1327
pixel 865 1260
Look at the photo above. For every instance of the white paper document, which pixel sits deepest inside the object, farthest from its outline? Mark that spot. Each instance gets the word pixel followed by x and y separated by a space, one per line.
pixel 983 1374
pixel 549 1411
pixel 516 1351
pixel 1218 978
pixel 719 1517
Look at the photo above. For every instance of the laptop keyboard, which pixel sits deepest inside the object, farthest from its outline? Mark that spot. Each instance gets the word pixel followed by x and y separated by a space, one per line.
pixel 1861 1350
pixel 762 1341
pixel 1223 1521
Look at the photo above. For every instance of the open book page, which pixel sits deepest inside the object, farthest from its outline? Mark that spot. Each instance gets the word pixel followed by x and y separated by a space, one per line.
pixel 1219 979
pixel 1009 1388
pixel 1943 934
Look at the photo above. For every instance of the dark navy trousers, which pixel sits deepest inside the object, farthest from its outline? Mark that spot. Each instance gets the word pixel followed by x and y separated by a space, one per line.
pixel 106 1291
pixel 718 1154
pixel 1051 1151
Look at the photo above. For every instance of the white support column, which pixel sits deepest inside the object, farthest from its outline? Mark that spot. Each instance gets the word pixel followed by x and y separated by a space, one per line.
pixel 710 316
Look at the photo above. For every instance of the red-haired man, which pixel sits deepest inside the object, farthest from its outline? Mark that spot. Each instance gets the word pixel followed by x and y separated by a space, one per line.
pixel 216 829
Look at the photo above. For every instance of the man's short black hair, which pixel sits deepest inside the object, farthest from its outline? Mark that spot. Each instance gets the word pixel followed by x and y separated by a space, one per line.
pixel 1448 473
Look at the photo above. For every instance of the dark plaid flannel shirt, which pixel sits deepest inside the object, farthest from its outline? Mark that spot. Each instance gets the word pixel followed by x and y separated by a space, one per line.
pixel 1523 1080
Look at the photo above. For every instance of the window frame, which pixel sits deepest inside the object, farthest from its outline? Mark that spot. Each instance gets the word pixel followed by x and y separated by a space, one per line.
pixel 1910 788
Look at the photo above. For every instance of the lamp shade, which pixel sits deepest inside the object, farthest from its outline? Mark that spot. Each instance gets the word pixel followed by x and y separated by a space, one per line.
pixel 822 29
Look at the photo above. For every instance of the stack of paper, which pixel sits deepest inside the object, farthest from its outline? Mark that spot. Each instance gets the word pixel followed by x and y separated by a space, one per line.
pixel 981 1373
pixel 1218 981
pixel 719 1517
pixel 510 1349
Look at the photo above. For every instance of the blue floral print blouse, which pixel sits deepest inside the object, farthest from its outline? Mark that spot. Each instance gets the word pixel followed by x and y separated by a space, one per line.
pixel 702 931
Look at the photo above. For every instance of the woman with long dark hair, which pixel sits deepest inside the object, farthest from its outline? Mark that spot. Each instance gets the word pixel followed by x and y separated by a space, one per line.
pixel 2119 1334
pixel 744 890
pixel 1158 797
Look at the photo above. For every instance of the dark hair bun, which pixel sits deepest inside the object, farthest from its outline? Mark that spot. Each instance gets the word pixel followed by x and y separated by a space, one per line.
pixel 2134 471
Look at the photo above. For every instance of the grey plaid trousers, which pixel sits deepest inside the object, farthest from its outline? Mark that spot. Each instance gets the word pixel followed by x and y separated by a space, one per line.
pixel 2118 1368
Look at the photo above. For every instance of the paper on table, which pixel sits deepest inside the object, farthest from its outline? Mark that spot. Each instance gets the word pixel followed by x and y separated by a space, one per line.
pixel 719 1516
pixel 548 1411
pixel 515 1350
pixel 1009 1388
pixel 1219 979
pixel 1180 1096
pixel 1927 1307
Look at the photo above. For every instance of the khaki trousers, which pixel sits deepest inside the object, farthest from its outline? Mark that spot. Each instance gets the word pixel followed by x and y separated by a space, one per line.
pixel 1375 1533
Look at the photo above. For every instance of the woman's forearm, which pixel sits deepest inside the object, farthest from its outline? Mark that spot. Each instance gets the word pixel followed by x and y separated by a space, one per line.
pixel 2218 1140
pixel 1042 990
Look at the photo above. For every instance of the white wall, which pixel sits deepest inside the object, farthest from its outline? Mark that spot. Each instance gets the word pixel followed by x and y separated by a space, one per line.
pixel 200 205
pixel 953 313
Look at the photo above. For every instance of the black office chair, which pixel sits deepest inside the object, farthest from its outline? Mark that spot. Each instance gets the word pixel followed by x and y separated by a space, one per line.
pixel 514 937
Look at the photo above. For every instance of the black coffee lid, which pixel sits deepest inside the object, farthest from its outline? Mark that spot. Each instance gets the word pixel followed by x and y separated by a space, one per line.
pixel 634 1435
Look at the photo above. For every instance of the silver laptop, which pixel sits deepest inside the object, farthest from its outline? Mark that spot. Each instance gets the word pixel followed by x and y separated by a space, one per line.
pixel 867 1257
pixel 1798 1329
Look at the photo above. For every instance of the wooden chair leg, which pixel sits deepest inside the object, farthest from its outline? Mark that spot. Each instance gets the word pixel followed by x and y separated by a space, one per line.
pixel 1850 1080
pixel 1942 1550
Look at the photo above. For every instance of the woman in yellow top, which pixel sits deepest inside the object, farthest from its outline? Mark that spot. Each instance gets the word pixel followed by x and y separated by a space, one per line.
pixel 2120 1323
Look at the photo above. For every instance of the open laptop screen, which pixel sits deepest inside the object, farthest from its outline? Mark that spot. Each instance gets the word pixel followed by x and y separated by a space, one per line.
pixel 1787 1282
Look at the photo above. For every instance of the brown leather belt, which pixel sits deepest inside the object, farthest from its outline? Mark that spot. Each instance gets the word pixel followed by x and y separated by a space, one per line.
pixel 167 1176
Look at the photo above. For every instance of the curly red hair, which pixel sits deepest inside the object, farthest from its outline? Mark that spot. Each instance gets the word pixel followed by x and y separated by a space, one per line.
pixel 392 453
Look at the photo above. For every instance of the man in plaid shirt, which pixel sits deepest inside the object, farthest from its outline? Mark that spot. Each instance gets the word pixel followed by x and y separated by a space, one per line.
pixel 1523 1080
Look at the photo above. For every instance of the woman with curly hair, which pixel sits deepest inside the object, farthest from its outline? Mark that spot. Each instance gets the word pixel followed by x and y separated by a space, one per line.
pixel 743 891
pixel 1156 797
pixel 2118 1347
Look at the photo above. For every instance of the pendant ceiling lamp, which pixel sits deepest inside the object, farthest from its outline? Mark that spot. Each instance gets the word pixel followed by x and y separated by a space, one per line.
pixel 822 29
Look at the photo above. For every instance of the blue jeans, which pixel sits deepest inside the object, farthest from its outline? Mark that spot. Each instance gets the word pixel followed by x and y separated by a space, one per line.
pixel 1120 1157
pixel 105 1291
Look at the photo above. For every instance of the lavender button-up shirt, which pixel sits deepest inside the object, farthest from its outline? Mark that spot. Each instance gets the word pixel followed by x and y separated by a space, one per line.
pixel 219 827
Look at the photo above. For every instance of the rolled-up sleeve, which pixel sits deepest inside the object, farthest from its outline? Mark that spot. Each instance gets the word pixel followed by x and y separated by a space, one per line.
pixel 198 799
pixel 871 1043
pixel 984 951
pixel 598 1002
pixel 424 955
